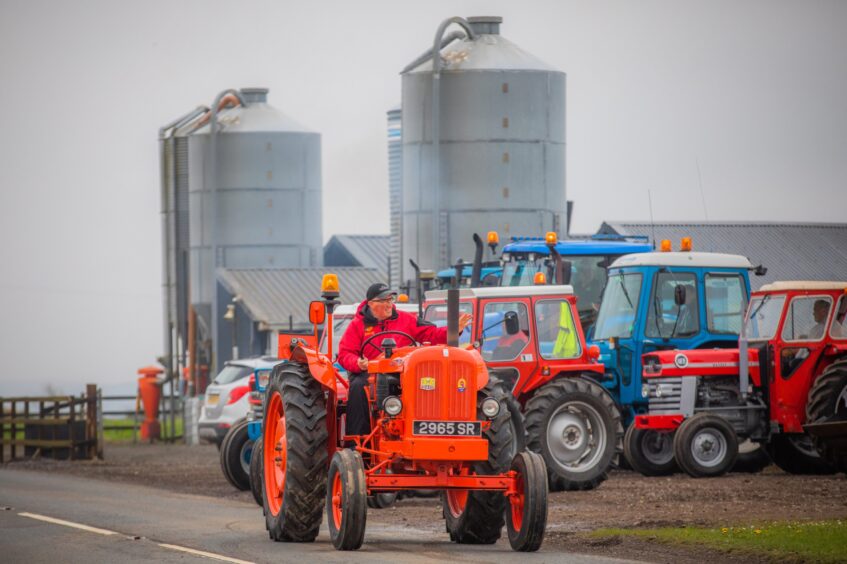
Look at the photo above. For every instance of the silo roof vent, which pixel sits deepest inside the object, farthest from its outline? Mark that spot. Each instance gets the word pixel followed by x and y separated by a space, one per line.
pixel 255 95
pixel 485 25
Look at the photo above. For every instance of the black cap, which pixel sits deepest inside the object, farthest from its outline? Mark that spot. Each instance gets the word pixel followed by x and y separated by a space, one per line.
pixel 379 291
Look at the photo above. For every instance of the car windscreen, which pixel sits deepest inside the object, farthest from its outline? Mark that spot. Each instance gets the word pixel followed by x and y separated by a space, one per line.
pixel 231 373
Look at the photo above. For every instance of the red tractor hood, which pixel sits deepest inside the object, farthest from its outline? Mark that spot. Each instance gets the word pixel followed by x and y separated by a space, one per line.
pixel 712 362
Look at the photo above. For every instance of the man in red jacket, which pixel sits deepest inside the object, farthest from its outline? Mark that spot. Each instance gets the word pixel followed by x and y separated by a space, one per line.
pixel 375 315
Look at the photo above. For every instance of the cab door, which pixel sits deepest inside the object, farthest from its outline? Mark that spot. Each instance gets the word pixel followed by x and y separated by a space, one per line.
pixel 797 354
pixel 509 357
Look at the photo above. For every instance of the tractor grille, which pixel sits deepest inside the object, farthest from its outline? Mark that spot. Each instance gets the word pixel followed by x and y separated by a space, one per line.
pixel 665 395
pixel 454 395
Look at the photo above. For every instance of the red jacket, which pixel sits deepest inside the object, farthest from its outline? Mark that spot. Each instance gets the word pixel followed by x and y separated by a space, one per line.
pixel 364 325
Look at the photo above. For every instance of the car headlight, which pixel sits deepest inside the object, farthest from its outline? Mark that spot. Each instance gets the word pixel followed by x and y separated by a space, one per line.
pixel 392 405
pixel 490 407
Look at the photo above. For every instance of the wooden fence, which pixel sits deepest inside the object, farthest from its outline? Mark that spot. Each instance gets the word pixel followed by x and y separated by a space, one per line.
pixel 65 427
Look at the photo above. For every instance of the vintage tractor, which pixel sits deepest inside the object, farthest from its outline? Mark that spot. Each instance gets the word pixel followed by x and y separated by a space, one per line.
pixel 531 340
pixel 668 300
pixel 789 371
pixel 437 423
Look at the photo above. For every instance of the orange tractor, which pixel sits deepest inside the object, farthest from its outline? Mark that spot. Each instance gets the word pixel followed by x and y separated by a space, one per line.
pixel 437 424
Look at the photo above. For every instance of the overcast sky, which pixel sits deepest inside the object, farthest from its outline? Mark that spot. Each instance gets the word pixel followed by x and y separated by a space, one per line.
pixel 753 91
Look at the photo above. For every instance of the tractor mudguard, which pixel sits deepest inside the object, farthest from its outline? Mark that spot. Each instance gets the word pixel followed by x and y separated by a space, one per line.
pixel 320 367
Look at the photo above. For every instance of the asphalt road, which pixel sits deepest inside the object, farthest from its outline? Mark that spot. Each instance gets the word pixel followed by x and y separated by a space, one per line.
pixel 49 518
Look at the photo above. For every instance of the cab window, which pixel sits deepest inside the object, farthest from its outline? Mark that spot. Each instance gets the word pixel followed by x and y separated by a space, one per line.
pixel 437 314
pixel 726 301
pixel 557 334
pixel 838 329
pixel 497 343
pixel 665 318
pixel 806 318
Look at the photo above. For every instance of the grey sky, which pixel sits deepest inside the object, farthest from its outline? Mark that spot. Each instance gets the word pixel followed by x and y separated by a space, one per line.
pixel 754 91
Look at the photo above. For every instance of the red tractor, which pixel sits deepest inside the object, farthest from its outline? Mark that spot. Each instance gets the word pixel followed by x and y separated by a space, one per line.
pixel 437 423
pixel 788 376
pixel 531 340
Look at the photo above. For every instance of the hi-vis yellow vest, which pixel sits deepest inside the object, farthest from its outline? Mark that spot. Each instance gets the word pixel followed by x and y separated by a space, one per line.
pixel 567 345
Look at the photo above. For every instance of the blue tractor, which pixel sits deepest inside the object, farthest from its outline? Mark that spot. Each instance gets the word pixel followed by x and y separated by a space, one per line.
pixel 665 301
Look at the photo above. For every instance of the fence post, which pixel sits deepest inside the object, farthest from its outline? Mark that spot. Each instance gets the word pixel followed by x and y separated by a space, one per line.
pixel 91 419
pixel 100 424
pixel 72 416
pixel 2 430
pixel 14 436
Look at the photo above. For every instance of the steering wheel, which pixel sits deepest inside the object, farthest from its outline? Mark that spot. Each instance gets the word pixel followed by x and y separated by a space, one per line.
pixel 369 340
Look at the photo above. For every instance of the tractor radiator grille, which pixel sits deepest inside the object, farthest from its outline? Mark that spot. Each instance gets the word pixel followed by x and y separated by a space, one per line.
pixel 454 395
pixel 665 395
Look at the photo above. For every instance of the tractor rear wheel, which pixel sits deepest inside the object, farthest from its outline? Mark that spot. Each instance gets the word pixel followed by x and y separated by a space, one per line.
pixel 795 453
pixel 294 454
pixel 752 458
pixel 473 516
pixel 575 425
pixel 256 472
pixel 828 398
pixel 236 451
pixel 382 500
pixel 649 452
pixel 526 514
pixel 516 417
pixel 705 446
pixel 346 503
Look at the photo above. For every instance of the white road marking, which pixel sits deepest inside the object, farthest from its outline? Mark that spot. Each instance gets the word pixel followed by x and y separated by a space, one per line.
pixel 68 523
pixel 206 554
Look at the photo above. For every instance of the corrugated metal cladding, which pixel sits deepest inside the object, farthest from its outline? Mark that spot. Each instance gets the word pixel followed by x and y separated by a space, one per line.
pixel 501 147
pixel 395 194
pixel 369 251
pixel 790 251
pixel 268 194
pixel 270 296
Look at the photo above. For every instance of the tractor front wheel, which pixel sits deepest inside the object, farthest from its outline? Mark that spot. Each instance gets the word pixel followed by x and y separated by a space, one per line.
pixel 294 454
pixel 346 502
pixel 476 517
pixel 705 446
pixel 649 452
pixel 575 425
pixel 236 453
pixel 256 472
pixel 526 514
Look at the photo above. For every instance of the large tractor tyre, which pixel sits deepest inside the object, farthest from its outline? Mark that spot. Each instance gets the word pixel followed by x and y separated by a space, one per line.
pixel 346 504
pixel 828 398
pixel 294 454
pixel 705 446
pixel 382 500
pixel 795 453
pixel 256 472
pixel 236 451
pixel 576 426
pixel 649 452
pixel 526 514
pixel 516 414
pixel 473 516
pixel 752 458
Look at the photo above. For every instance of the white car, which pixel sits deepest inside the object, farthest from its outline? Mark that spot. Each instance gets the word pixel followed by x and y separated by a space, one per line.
pixel 226 397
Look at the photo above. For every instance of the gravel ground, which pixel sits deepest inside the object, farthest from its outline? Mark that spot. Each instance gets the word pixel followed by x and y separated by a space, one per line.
pixel 626 500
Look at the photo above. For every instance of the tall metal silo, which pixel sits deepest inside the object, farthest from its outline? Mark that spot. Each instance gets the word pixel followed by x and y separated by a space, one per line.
pixel 254 203
pixel 395 195
pixel 483 143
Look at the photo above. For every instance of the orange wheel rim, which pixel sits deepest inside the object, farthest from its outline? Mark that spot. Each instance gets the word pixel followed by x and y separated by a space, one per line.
pixel 336 501
pixel 517 502
pixel 275 453
pixel 457 500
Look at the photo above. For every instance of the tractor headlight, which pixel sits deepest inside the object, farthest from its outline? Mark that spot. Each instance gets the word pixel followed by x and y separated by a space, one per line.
pixel 392 405
pixel 490 407
pixel 645 390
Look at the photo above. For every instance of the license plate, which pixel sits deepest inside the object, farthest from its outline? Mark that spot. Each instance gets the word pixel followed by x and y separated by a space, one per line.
pixel 447 428
pixel 212 400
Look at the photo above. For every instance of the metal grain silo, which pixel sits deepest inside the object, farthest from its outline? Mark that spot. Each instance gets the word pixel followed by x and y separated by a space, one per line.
pixel 483 143
pixel 254 197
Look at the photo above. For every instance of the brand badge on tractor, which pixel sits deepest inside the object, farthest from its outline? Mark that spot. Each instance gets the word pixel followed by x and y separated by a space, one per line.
pixel 427 383
pixel 680 360
pixel 462 384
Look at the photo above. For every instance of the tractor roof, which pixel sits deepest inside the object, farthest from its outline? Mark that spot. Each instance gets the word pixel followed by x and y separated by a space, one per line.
pixel 803 285
pixel 503 292
pixel 684 259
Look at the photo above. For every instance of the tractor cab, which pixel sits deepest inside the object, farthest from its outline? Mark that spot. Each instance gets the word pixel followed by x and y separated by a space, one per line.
pixel 580 263
pixel 663 301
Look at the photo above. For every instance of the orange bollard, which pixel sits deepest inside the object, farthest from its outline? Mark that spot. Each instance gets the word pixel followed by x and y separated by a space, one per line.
pixel 151 394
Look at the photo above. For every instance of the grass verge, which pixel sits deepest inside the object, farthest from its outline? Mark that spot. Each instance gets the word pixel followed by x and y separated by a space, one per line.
pixel 817 541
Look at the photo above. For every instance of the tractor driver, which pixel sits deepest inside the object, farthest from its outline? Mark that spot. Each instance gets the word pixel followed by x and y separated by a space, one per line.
pixel 375 315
